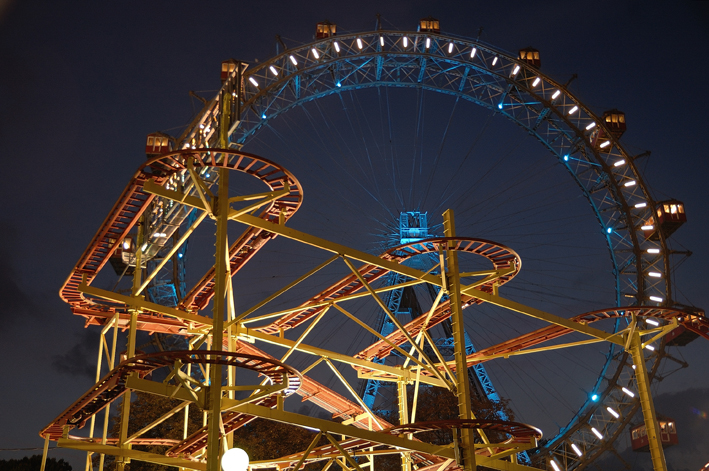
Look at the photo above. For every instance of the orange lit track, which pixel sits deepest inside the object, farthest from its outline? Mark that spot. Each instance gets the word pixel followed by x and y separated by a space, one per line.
pixel 125 215
pixel 113 385
pixel 132 203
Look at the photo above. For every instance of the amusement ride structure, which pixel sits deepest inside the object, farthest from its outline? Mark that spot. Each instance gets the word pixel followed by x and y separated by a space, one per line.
pixel 186 180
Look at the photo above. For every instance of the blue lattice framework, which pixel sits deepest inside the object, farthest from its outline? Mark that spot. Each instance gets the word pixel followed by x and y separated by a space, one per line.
pixel 413 227
pixel 477 72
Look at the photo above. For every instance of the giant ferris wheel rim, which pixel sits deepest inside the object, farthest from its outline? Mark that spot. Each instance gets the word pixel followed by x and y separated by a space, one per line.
pixel 627 216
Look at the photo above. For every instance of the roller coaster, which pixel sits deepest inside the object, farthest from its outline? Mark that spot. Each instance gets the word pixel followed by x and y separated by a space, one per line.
pixel 191 175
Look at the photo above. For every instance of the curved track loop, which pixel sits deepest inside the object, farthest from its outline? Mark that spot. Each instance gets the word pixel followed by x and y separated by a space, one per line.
pixel 693 322
pixel 500 256
pixel 113 385
pixel 133 202
pixel 518 432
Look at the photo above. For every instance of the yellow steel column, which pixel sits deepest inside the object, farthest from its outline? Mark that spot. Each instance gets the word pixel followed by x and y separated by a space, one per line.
pixel 653 429
pixel 462 386
pixel 221 212
pixel 403 420
pixel 130 350
pixel 44 453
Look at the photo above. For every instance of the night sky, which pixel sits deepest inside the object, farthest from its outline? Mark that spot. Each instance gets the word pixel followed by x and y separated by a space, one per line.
pixel 82 83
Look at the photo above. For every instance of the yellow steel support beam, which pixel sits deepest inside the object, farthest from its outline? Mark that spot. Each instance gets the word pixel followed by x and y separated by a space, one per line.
pixel 327 302
pixel 141 304
pixel 165 390
pixel 340 429
pixel 175 247
pixel 312 445
pixel 281 291
pixel 651 425
pixel 214 396
pixel 126 454
pixel 394 346
pixel 342 451
pixel 394 320
pixel 452 274
pixel 407 374
pixel 158 421
pixel 544 316
pixel 333 247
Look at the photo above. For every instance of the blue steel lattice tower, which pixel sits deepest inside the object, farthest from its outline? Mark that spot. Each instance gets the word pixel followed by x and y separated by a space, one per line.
pixel 413 227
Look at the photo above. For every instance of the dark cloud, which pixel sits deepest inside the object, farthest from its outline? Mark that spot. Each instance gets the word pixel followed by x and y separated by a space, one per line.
pixel 15 303
pixel 76 361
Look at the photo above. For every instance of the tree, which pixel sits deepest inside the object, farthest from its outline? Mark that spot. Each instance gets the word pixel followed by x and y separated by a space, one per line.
pixel 261 439
pixel 34 463
pixel 440 404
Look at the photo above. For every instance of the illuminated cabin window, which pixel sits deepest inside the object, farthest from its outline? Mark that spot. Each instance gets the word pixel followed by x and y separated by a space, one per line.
pixel 530 56
pixel 429 25
pixel 228 67
pixel 158 143
pixel 325 29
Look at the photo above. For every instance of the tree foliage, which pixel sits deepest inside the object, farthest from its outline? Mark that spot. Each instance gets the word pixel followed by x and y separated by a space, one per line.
pixel 440 404
pixel 264 439
pixel 34 463
pixel 261 439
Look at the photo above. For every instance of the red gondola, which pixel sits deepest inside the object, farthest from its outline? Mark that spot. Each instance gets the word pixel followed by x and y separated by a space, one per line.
pixel 158 143
pixel 614 121
pixel 668 435
pixel 325 29
pixel 670 216
pixel 530 56
pixel 430 25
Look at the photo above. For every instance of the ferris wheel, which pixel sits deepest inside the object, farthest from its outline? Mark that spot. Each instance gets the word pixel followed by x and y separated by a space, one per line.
pixel 633 225
pixel 343 68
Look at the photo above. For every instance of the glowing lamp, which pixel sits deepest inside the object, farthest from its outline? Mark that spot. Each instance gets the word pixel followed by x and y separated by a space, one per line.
pixel 235 459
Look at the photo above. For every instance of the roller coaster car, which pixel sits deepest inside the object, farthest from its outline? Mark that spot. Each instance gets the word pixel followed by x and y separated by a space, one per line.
pixel 668 435
pixel 158 143
pixel 530 56
pixel 122 255
pixel 614 121
pixel 430 25
pixel 670 216
pixel 680 337
pixel 325 29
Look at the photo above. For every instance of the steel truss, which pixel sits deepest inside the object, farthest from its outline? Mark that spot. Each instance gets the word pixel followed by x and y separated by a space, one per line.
pixel 605 173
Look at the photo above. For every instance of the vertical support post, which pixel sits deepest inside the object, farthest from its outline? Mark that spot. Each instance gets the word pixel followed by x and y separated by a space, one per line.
pixel 452 275
pixel 403 420
pixel 44 453
pixel 130 348
pixel 221 212
pixel 653 429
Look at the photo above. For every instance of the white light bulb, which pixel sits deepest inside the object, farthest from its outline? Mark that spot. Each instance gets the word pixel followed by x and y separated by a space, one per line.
pixel 235 459
pixel 576 449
